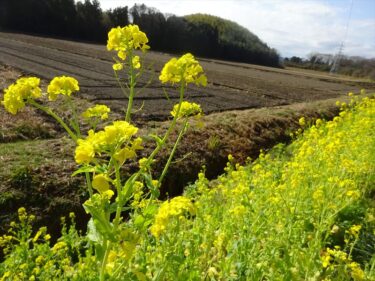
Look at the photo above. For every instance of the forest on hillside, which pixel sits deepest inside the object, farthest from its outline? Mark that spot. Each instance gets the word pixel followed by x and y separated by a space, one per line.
pixel 203 35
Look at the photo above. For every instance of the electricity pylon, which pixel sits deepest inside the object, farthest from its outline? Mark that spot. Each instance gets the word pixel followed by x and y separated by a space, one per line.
pixel 337 59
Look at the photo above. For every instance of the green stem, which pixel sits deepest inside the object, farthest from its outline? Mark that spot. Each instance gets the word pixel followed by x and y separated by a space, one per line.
pixel 131 89
pixel 166 136
pixel 75 122
pixel 73 136
pixel 120 84
pixel 173 151
pixel 57 118
pixel 174 121
pixel 104 261
pixel 88 182
pixel 119 203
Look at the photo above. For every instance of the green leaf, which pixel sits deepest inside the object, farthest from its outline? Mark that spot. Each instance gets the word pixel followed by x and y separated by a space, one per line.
pixel 113 208
pixel 150 210
pixel 101 222
pixel 154 190
pixel 92 233
pixel 157 139
pixel 139 221
pixel 84 169
pixel 127 190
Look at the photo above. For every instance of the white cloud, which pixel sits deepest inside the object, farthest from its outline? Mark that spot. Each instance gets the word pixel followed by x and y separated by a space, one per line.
pixel 293 27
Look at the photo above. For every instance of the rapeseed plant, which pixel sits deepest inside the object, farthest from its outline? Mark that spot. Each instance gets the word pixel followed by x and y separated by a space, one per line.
pixel 100 155
pixel 272 219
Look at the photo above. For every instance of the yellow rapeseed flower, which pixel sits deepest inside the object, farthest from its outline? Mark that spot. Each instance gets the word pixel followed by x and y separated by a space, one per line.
pixel 125 153
pixel 135 62
pixel 354 230
pixel 125 39
pixel 39 259
pixel 186 69
pixel 22 214
pixel 119 131
pixel 238 211
pixel 18 93
pixel 176 207
pixel 302 121
pixel 59 246
pixel 187 109
pixel 117 66
pixel 107 195
pixel 99 110
pixel 84 152
pixel 326 259
pixel 62 85
pixel 100 183
pixel 356 272
pixel 113 136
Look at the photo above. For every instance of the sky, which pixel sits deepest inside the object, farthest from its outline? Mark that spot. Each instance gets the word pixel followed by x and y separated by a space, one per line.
pixel 293 27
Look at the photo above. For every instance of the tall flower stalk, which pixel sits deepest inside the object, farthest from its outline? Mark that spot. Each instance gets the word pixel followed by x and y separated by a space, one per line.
pixel 100 154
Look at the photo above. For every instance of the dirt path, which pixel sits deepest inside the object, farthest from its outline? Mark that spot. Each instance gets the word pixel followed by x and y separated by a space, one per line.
pixel 232 85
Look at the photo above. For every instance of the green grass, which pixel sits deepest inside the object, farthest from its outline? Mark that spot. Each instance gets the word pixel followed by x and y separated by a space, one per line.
pixel 33 154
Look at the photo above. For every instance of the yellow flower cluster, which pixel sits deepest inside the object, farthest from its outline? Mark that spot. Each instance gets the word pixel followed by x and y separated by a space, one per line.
pixel 62 85
pixel 187 109
pixel 59 246
pixel 118 66
pixel 354 230
pixel 100 110
pixel 18 93
pixel 302 121
pixel 112 137
pixel 175 208
pixel 185 70
pixel 125 39
pixel 135 62
pixel 356 272
pixel 331 255
pixel 332 258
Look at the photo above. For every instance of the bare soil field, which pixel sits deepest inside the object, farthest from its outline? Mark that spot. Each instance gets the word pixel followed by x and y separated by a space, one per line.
pixel 231 85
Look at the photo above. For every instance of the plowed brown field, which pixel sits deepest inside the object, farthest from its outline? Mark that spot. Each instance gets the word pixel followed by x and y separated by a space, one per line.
pixel 231 85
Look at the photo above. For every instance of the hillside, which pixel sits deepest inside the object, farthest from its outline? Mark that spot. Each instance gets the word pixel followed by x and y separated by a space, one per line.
pixel 203 35
pixel 234 41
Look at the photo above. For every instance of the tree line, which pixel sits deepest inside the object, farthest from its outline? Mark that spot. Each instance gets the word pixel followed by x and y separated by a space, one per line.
pixel 202 35
pixel 346 65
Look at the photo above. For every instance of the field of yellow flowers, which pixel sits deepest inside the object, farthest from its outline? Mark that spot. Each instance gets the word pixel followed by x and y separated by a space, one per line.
pixel 303 211
pixel 299 212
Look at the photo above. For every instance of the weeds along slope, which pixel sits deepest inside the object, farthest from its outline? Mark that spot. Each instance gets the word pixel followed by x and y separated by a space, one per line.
pixel 300 212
